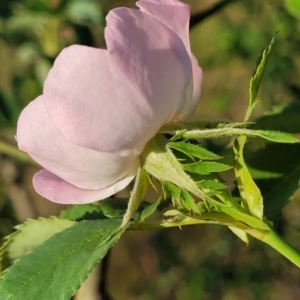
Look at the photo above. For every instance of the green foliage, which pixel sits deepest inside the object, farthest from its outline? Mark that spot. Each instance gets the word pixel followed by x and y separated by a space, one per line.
pixel 276 171
pixel 83 12
pixel 35 31
pixel 277 137
pixel 56 268
pixel 257 78
pixel 150 209
pixel 21 242
pixel 188 202
pixel 206 167
pixel 108 208
pixel 249 192
pixel 192 150
pixel 293 6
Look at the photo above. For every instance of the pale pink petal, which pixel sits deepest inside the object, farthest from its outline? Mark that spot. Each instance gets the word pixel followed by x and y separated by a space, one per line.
pixel 193 102
pixel 57 190
pixel 176 16
pixel 172 13
pixel 92 108
pixel 152 58
pixel 82 167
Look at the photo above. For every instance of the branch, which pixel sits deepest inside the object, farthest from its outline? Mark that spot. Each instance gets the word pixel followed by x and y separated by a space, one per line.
pixel 197 18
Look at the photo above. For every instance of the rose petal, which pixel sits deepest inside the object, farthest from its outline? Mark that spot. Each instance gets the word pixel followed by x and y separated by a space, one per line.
pixel 57 190
pixel 176 16
pixel 172 13
pixel 193 102
pixel 92 108
pixel 152 57
pixel 82 167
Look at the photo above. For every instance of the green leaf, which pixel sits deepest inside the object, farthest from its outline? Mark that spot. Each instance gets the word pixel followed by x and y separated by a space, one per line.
pixel 293 7
pixel 193 150
pixel 276 159
pixel 278 137
pixel 81 212
pixel 240 234
pixel 249 192
pixel 188 202
pixel 150 209
pixel 174 191
pixel 257 78
pixel 84 12
pixel 206 167
pixel 211 185
pixel 228 199
pixel 108 208
pixel 138 192
pixel 57 268
pixel 21 241
pixel 243 216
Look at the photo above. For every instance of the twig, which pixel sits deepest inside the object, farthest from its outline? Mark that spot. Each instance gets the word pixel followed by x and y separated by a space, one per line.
pixel 197 18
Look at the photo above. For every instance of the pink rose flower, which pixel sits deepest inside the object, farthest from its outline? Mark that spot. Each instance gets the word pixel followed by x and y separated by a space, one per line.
pixel 100 107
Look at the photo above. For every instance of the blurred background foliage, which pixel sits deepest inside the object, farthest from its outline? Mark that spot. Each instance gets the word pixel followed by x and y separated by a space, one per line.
pixel 205 262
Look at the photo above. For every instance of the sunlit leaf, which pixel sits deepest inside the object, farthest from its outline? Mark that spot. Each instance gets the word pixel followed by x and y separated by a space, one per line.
pixel 57 268
pixel 293 7
pixel 257 78
pixel 21 241
pixel 249 192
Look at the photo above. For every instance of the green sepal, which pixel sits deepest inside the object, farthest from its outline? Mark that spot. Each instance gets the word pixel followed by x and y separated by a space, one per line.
pixel 172 191
pixel 138 192
pixel 159 161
